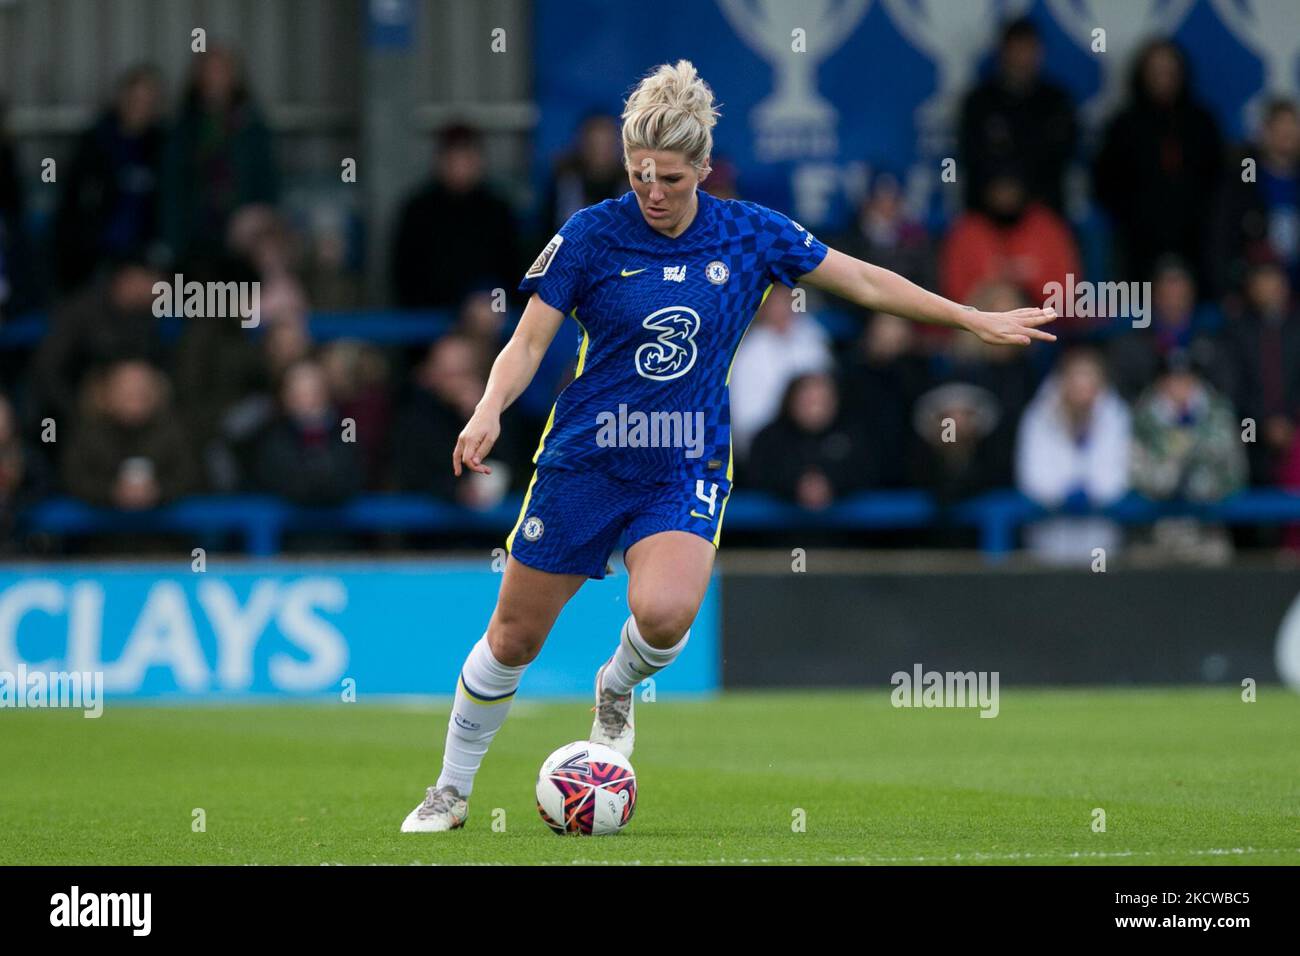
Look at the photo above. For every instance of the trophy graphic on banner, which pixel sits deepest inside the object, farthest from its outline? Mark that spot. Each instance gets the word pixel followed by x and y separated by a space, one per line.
pixel 954 36
pixel 1271 30
pixel 1128 24
pixel 795 121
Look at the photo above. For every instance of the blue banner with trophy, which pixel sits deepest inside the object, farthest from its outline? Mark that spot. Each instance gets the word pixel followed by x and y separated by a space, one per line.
pixel 816 94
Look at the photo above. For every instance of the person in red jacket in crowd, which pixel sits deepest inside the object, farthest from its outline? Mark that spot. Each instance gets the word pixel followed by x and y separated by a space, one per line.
pixel 1012 239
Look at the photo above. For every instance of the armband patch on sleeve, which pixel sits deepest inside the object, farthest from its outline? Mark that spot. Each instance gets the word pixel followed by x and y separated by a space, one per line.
pixel 543 261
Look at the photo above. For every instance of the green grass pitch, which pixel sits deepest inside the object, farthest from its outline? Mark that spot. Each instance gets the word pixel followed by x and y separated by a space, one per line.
pixel 1185 776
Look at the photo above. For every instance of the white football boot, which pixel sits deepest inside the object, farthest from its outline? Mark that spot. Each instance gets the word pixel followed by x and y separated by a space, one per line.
pixel 613 724
pixel 443 809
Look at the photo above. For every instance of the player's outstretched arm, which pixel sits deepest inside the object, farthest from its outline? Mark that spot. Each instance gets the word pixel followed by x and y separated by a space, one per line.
pixel 883 291
pixel 513 369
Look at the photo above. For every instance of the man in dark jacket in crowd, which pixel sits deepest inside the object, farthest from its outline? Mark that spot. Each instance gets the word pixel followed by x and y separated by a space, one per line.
pixel 109 205
pixel 218 159
pixel 1263 348
pixel 453 234
pixel 1260 213
pixel 130 451
pixel 1017 115
pixel 447 386
pixel 111 320
pixel 810 454
pixel 1159 165
pixel 305 454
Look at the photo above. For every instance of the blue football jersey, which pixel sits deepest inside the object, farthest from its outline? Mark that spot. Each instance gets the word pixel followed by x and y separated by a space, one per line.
pixel 661 320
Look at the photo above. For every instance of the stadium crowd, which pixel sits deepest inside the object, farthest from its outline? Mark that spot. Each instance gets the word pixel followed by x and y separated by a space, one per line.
pixel 142 418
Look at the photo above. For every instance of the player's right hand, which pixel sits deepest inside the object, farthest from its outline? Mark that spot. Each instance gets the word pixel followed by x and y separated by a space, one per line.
pixel 475 443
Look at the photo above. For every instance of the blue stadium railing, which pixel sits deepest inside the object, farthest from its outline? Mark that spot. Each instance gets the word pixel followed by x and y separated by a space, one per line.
pixel 378 326
pixel 262 521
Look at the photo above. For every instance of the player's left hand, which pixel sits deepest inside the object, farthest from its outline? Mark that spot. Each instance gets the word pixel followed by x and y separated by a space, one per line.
pixel 1011 328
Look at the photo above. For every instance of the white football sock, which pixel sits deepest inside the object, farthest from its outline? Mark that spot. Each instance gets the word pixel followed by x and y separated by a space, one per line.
pixel 635 660
pixel 483 695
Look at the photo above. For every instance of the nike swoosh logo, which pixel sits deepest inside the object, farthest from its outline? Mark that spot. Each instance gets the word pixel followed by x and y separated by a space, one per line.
pixel 696 514
pixel 625 273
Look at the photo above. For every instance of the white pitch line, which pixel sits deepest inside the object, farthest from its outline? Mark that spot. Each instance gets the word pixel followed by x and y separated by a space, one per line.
pixel 956 858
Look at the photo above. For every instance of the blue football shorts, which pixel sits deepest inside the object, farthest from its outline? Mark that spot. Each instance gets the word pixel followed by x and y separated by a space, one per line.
pixel 571 521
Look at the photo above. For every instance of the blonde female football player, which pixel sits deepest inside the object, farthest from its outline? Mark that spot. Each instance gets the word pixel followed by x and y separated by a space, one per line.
pixel 663 282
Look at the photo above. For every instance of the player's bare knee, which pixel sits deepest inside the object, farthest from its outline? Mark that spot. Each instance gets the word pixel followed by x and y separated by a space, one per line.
pixel 513 641
pixel 663 626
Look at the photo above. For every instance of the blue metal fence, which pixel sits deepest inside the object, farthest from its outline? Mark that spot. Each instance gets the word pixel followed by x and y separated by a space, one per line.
pixel 261 522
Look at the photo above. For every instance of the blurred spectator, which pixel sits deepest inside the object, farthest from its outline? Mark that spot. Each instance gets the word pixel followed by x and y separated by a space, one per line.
pixel 357 373
pixel 1072 453
pixel 1187 446
pixel 591 171
pixel 24 473
pixel 217 160
pixel 887 236
pixel 111 320
pixel 1158 167
pixel 109 205
pixel 1263 348
pixel 1177 323
pixel 447 386
pixel 809 455
pixel 881 380
pixel 258 236
pixel 779 346
pixel 454 234
pixel 1186 440
pixel 483 326
pixel 486 327
pixel 303 455
pixel 1264 212
pixel 954 459
pixel 129 451
pixel 286 340
pixel 219 369
pixel 13 228
pixel 1005 373
pixel 1016 114
pixel 1011 239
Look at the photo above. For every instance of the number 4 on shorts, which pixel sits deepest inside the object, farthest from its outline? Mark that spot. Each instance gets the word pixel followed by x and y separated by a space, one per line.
pixel 711 499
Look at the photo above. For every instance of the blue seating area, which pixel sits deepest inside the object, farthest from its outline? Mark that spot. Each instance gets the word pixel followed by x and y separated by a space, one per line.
pixel 260 522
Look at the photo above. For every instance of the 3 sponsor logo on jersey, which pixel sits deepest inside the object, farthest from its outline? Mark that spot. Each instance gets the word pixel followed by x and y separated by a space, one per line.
pixel 673 351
